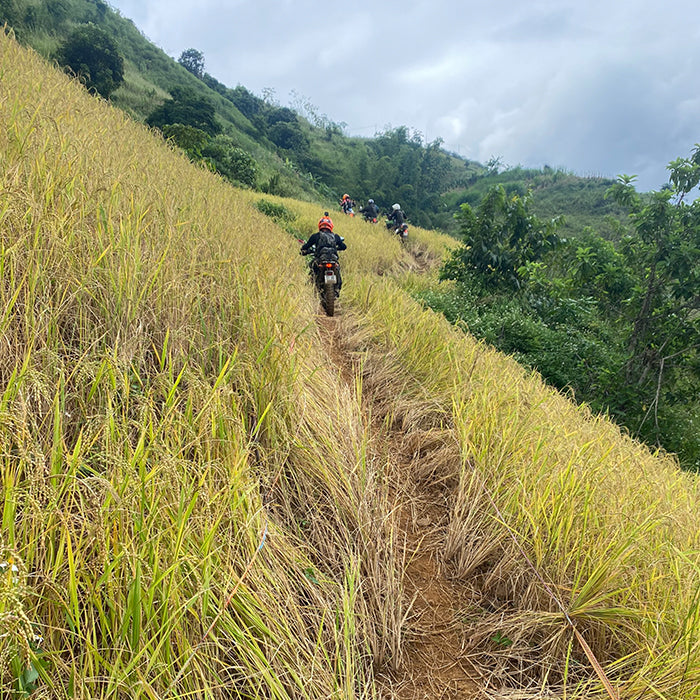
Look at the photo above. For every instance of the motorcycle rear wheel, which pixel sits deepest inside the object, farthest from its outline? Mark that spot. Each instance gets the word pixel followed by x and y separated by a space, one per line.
pixel 328 299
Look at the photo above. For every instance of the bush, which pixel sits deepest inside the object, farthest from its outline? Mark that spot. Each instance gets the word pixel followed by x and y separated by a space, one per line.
pixel 231 161
pixel 92 55
pixel 8 13
pixel 190 139
pixel 582 355
pixel 282 216
pixel 275 211
pixel 186 107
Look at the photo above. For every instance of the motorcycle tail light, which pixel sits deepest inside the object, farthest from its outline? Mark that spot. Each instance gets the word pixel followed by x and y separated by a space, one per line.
pixel 329 266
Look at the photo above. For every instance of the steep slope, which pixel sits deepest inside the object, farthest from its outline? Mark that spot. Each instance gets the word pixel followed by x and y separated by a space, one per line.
pixel 211 492
pixel 553 534
pixel 179 516
pixel 150 76
pixel 301 153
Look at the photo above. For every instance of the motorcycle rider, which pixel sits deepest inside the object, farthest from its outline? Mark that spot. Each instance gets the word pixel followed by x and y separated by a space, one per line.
pixel 371 211
pixel 397 217
pixel 313 245
pixel 347 204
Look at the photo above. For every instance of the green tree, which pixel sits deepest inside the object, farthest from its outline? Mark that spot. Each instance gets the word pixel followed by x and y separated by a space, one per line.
pixel 57 9
pixel 231 161
pixel 500 238
pixel 8 13
pixel 100 9
pixel 31 17
pixel 279 115
pixel 288 135
pixel 93 56
pixel 664 336
pixel 594 267
pixel 193 61
pixel 247 103
pixel 190 139
pixel 188 108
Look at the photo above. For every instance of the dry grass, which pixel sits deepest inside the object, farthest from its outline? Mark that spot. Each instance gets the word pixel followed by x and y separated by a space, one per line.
pixel 556 514
pixel 162 378
pixel 173 429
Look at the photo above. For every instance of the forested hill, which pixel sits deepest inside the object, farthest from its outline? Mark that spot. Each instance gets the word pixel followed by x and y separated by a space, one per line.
pixel 289 150
pixel 580 201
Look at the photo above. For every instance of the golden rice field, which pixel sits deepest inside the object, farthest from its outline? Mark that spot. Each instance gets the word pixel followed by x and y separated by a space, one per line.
pixel 201 499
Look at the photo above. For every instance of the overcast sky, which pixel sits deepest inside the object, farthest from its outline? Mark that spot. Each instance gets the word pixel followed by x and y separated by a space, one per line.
pixel 597 87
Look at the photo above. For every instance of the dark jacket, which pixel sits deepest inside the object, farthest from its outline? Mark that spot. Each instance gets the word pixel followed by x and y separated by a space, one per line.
pixel 371 211
pixel 397 216
pixel 313 240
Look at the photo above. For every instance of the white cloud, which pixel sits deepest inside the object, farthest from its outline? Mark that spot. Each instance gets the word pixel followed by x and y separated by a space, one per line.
pixel 597 87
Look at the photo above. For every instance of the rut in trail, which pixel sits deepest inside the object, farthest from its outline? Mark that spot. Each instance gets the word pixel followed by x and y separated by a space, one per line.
pixel 434 662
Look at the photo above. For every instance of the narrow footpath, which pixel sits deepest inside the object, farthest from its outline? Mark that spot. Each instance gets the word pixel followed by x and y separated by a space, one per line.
pixel 434 663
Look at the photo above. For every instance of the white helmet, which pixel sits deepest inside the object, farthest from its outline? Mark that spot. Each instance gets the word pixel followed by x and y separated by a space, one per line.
pixel 396 207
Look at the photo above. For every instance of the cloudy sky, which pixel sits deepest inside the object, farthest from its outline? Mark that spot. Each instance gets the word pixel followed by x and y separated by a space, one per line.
pixel 597 87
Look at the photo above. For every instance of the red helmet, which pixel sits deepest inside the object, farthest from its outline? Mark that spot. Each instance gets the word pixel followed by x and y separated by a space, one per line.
pixel 325 222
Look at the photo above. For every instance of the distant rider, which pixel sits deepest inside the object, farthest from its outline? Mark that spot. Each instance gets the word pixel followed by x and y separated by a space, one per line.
pixel 325 243
pixel 397 217
pixel 347 204
pixel 371 211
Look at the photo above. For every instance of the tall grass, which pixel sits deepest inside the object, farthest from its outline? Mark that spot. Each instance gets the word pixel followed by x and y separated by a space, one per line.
pixel 200 491
pixel 557 517
pixel 169 426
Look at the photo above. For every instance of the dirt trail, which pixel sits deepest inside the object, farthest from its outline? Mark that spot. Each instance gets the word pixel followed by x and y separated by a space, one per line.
pixel 434 664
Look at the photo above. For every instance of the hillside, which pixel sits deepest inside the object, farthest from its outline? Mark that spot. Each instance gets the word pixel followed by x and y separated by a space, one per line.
pixel 580 201
pixel 210 491
pixel 300 153
pixel 150 74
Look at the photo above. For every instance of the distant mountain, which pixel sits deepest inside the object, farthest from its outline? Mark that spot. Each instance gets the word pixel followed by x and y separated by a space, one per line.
pixel 580 200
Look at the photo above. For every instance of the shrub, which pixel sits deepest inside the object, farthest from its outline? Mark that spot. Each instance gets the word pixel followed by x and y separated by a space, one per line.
pixel 92 55
pixel 231 161
pixel 275 211
pixel 190 139
pixel 186 107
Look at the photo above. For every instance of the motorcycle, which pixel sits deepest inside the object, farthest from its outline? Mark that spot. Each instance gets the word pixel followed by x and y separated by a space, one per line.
pixel 400 231
pixel 325 272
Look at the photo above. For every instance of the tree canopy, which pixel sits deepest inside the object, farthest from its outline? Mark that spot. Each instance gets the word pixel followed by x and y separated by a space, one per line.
pixel 615 321
pixel 500 238
pixel 664 336
pixel 93 56
pixel 188 108
pixel 193 61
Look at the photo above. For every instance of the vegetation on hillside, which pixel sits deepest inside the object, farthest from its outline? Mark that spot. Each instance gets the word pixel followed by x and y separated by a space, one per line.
pixel 579 203
pixel 92 55
pixel 199 502
pixel 291 150
pixel 159 385
pixel 617 322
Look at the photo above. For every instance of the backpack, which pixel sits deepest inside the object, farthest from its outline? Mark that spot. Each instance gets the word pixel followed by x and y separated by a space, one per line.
pixel 325 247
